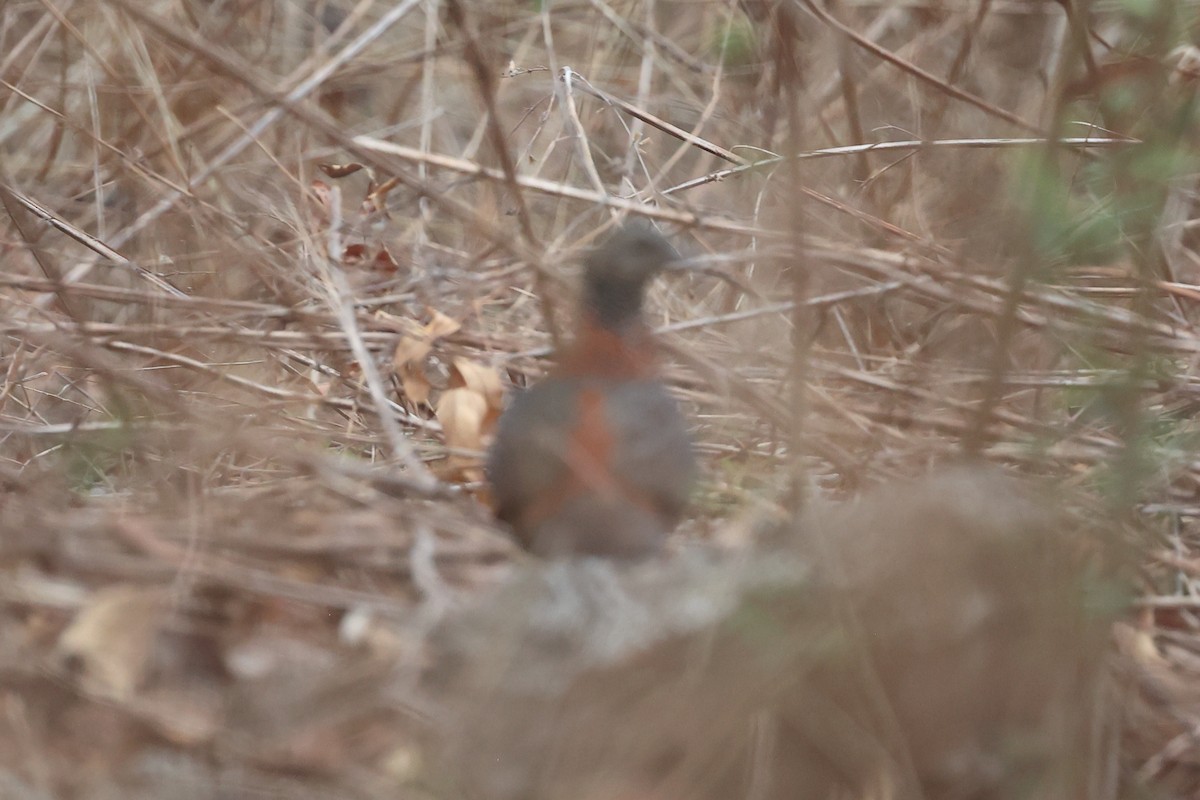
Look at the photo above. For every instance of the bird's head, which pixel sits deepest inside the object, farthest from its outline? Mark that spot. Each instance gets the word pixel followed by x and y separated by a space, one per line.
pixel 632 255
pixel 617 271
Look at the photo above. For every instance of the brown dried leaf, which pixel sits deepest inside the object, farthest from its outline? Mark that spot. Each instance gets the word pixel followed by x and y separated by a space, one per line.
pixel 480 379
pixel 414 382
pixel 462 412
pixel 109 641
pixel 464 415
pixel 416 346
pixel 340 170
pixel 409 356
pixel 410 350
pixel 384 261
pixel 441 325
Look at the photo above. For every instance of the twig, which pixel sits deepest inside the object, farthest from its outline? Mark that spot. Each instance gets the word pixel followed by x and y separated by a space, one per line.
pixel 914 70
pixel 340 298
pixel 915 144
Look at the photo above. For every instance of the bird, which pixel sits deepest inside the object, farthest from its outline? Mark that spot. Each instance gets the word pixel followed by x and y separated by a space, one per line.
pixel 596 459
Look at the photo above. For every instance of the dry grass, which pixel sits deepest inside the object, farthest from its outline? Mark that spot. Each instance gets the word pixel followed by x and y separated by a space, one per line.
pixel 229 519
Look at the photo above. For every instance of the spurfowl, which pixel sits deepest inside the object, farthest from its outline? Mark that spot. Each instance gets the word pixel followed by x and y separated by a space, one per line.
pixel 596 459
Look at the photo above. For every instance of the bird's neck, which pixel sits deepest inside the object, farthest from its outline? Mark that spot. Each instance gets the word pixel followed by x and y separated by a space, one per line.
pixel 613 304
pixel 623 352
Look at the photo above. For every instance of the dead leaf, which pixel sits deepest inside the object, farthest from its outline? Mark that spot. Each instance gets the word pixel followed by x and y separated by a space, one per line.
pixel 468 411
pixel 417 345
pixel 109 641
pixel 408 359
pixel 463 413
pixel 340 170
pixel 415 383
pixel 480 379
pixel 440 325
pixel 385 261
